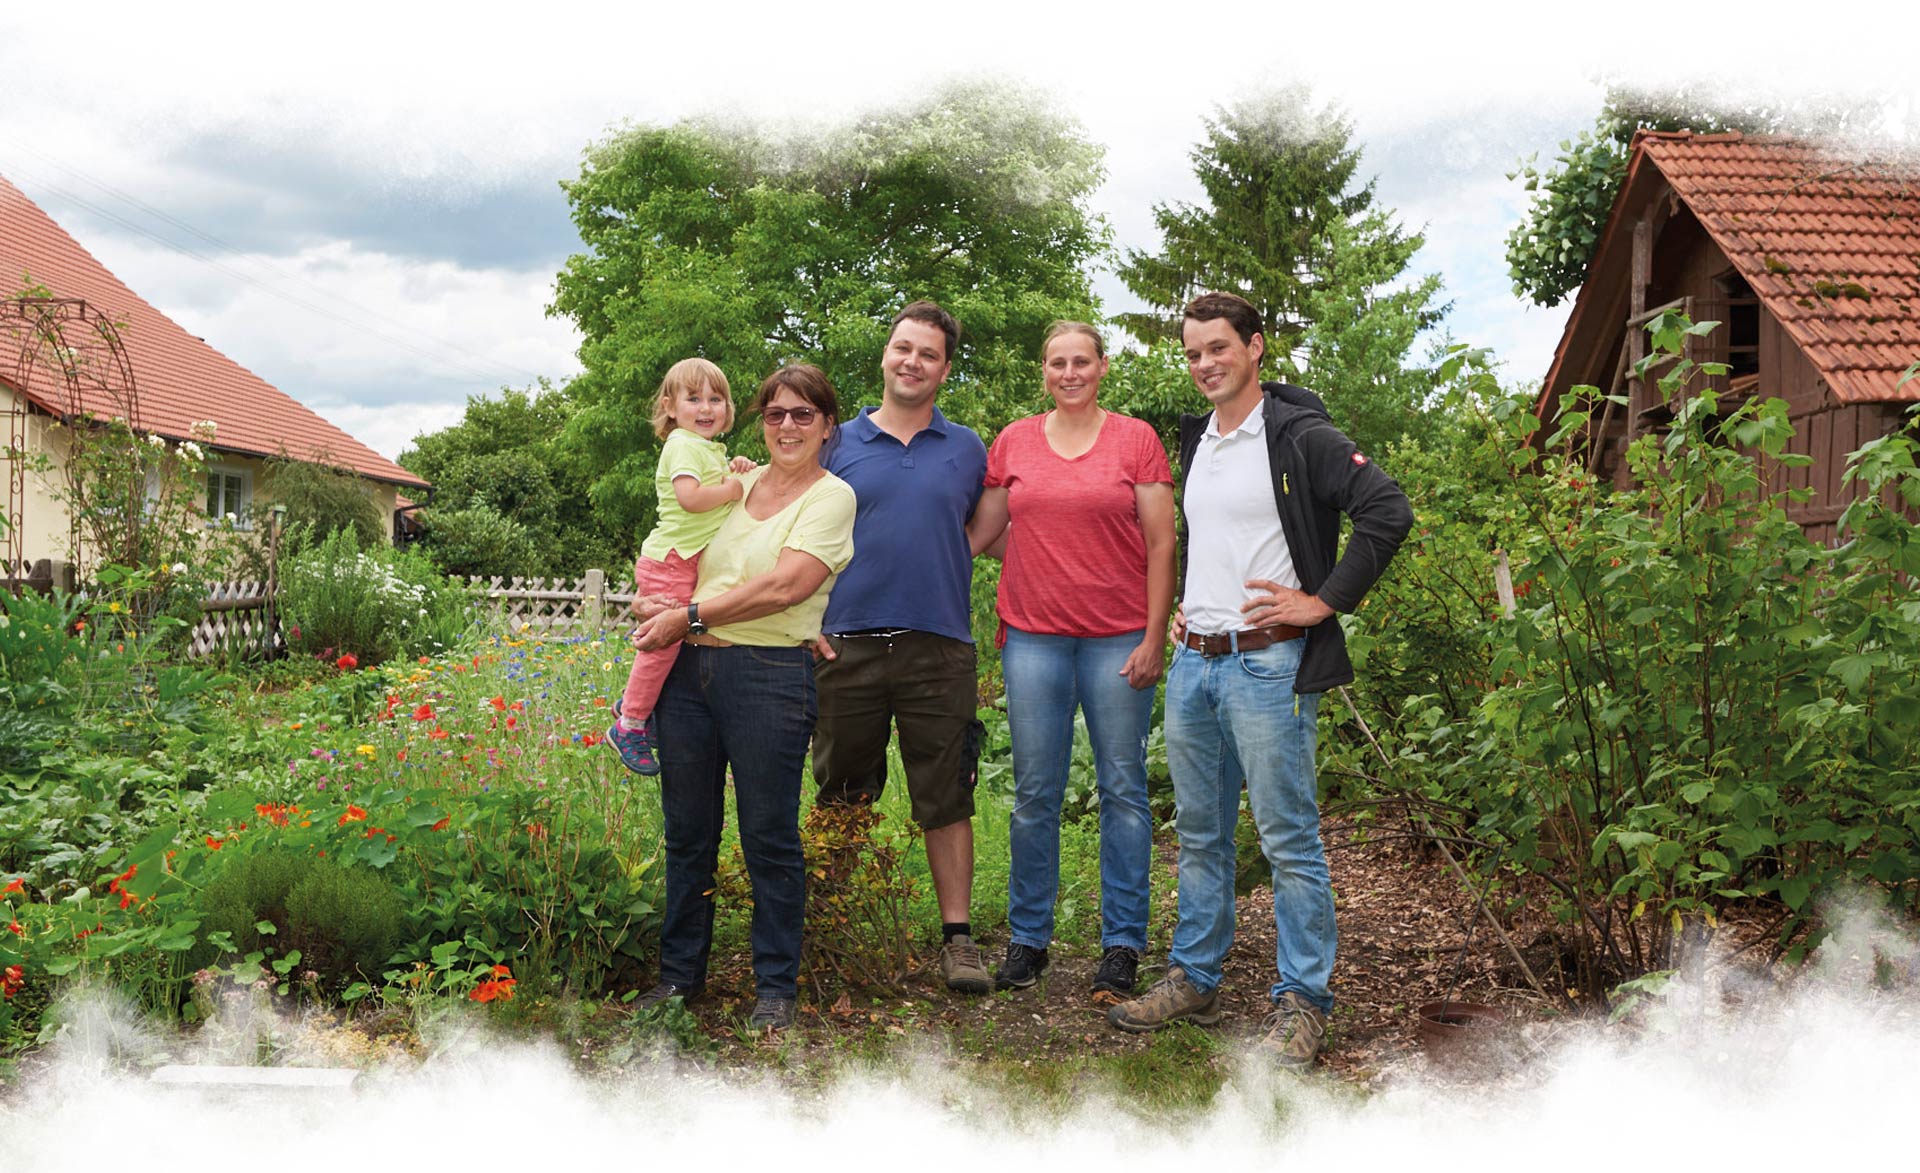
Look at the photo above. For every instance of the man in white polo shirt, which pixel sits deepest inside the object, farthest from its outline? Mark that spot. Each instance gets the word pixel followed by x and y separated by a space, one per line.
pixel 1266 478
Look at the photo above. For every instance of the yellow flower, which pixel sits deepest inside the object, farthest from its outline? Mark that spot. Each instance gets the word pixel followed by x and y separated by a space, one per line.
pixel 114 607
pixel 365 750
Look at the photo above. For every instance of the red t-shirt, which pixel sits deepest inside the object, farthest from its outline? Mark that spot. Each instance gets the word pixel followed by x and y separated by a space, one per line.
pixel 1076 558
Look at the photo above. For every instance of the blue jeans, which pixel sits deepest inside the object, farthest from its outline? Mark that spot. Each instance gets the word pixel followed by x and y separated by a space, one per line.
pixel 1230 718
pixel 1047 677
pixel 751 708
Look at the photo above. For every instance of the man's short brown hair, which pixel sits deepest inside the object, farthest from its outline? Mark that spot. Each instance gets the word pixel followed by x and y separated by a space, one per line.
pixel 932 315
pixel 1238 312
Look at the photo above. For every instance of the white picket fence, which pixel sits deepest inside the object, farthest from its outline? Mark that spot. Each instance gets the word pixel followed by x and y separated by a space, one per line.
pixel 234 615
pixel 557 606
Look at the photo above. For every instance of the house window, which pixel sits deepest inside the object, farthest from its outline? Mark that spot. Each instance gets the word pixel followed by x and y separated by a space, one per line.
pixel 1742 330
pixel 229 491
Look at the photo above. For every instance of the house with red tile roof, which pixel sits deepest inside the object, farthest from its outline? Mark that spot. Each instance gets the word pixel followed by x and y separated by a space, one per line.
pixel 1809 257
pixel 173 383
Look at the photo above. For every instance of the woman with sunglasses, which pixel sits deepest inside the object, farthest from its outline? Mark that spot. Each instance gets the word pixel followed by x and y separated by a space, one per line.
pixel 1083 601
pixel 741 695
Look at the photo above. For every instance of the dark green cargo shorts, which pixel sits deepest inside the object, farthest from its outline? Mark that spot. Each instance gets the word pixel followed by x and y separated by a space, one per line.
pixel 921 684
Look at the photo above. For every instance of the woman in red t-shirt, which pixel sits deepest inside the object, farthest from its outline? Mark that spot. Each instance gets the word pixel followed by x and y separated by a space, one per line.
pixel 1084 598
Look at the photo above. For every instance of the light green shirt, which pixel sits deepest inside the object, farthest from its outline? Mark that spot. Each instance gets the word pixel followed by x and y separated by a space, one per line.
pixel 685 454
pixel 818 522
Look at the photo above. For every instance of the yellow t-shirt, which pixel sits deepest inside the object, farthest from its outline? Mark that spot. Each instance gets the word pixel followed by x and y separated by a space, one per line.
pixel 685 453
pixel 818 522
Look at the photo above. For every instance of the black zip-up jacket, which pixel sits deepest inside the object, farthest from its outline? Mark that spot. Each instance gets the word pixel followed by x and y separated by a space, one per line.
pixel 1319 474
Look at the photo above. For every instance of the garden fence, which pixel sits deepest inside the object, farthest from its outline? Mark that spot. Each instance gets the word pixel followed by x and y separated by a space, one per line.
pixel 561 606
pixel 233 617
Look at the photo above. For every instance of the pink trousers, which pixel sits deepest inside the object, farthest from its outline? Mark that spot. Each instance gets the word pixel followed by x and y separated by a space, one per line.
pixel 674 577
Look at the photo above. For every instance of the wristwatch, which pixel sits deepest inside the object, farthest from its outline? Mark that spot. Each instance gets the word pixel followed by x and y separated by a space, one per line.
pixel 694 626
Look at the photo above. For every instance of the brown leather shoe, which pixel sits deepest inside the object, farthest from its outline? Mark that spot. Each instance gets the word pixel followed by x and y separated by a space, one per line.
pixel 963 968
pixel 1296 1030
pixel 1170 999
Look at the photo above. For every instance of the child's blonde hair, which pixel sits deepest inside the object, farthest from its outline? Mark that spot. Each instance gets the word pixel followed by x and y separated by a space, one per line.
pixel 685 374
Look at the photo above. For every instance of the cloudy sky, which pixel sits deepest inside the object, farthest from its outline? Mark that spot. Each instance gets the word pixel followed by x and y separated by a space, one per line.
pixel 360 202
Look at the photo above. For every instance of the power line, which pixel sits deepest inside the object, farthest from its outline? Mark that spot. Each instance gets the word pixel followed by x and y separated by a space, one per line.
pixel 450 350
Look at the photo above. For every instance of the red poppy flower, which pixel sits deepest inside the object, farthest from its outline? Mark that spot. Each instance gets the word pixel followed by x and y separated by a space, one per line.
pixel 437 733
pixel 498 702
pixel 347 662
pixel 424 712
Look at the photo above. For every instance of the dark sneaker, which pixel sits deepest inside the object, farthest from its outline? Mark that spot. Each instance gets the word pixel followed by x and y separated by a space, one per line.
pixel 665 990
pixel 1022 968
pixel 1296 1030
pixel 1119 968
pixel 962 967
pixel 635 747
pixel 771 1013
pixel 1170 999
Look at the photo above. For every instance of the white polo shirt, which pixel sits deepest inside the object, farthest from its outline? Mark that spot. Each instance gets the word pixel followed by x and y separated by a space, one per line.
pixel 1233 529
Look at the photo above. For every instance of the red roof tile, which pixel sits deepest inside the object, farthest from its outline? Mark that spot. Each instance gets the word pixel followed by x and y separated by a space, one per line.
pixel 1829 241
pixel 180 379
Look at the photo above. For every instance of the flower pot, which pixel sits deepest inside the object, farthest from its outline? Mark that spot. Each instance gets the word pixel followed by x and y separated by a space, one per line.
pixel 1460 1033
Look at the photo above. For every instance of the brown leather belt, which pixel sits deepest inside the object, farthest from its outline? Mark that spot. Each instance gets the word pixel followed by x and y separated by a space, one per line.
pixel 1250 640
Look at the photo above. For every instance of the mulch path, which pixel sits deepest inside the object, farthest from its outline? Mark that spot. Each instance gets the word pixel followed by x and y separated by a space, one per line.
pixel 1401 918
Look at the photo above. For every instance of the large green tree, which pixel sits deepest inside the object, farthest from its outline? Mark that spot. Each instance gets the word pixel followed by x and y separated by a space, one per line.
pixel 1289 227
pixel 1549 250
pixel 754 248
pixel 1278 173
pixel 511 491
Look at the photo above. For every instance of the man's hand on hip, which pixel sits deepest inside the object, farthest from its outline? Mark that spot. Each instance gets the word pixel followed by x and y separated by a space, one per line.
pixel 1279 604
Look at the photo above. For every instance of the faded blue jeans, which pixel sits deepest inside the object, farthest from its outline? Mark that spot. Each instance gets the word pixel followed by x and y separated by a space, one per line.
pixel 752 709
pixel 1231 718
pixel 1047 677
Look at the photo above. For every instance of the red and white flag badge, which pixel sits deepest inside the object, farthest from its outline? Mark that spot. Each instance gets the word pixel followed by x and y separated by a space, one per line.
pixel 1359 459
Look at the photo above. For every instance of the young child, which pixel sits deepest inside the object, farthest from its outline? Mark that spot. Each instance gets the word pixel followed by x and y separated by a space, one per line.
pixel 695 405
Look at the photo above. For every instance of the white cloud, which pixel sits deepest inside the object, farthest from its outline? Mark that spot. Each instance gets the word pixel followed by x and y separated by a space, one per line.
pixel 420 106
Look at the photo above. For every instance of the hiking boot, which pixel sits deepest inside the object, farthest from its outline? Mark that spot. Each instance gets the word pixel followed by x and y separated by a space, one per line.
pixel 663 991
pixel 771 1013
pixel 635 747
pixel 1022 968
pixel 962 967
pixel 1172 997
pixel 1295 1032
pixel 1119 969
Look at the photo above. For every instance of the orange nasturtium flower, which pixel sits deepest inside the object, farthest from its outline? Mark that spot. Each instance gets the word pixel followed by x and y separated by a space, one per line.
pixel 354 815
pixel 17 884
pixel 215 844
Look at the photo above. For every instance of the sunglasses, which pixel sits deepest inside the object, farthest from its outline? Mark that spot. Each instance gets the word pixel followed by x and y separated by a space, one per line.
pixel 801 416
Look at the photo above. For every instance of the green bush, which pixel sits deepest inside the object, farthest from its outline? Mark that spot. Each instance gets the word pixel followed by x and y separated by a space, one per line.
pixel 345 922
pixel 376 603
pixel 1693 702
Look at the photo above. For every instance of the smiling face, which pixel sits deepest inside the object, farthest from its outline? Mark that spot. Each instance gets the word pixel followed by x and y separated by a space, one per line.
pixel 1223 367
pixel 702 409
pixel 915 363
pixel 790 443
pixel 1073 367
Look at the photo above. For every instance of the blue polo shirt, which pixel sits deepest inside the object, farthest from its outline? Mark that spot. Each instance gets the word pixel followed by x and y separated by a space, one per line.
pixel 911 565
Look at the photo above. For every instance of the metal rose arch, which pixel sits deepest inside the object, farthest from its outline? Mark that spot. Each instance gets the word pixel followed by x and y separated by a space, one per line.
pixel 65 358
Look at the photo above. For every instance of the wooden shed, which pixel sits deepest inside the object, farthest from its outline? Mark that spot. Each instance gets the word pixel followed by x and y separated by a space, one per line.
pixel 1809 256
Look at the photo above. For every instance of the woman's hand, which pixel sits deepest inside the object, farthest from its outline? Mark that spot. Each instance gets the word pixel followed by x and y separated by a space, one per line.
pixel 1146 663
pixel 645 607
pixel 663 630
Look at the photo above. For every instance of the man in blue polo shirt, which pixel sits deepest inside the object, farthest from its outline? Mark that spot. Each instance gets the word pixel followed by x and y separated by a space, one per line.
pixel 898 649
